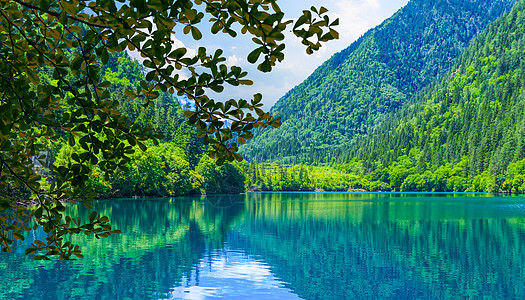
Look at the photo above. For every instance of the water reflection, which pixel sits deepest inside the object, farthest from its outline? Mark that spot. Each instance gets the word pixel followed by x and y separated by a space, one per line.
pixel 289 246
pixel 231 274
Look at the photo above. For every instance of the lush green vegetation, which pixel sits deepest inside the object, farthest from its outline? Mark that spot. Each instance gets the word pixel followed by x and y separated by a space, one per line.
pixel 175 166
pixel 404 174
pixel 357 89
pixel 468 126
pixel 273 177
pixel 71 42
pixel 464 132
pixel 460 134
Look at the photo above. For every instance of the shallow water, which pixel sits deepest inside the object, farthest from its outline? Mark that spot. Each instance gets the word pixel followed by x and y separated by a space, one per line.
pixel 290 246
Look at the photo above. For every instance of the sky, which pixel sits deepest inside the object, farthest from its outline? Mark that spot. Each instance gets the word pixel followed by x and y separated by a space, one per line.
pixel 355 18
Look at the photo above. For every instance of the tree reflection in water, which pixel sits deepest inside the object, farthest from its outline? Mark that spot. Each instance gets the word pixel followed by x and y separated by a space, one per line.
pixel 307 245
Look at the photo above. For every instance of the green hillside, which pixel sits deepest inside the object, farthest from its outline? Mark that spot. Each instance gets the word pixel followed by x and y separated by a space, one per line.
pixel 175 166
pixel 472 120
pixel 354 91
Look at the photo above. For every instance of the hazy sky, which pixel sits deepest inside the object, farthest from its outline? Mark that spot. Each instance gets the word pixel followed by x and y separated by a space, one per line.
pixel 355 16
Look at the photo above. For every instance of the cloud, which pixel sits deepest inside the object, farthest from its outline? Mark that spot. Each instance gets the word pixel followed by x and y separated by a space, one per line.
pixel 234 60
pixel 356 16
pixel 179 44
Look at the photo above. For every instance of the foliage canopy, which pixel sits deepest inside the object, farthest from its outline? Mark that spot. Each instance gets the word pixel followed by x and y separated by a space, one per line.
pixel 72 38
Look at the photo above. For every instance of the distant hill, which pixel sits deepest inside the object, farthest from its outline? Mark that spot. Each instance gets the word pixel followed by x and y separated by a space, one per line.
pixel 473 118
pixel 355 91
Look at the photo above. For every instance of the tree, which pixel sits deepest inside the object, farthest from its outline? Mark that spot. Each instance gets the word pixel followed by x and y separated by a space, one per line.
pixel 72 38
pixel 225 179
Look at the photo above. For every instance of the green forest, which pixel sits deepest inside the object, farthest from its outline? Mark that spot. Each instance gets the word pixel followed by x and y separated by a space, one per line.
pixel 430 100
pixel 471 120
pixel 352 93
pixel 176 166
pixel 461 133
pixel 404 132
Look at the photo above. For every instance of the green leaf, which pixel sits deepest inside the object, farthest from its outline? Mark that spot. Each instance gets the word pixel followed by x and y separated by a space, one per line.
pixel 141 146
pixel 220 161
pixel 30 251
pixel 62 18
pixel 189 113
pixel 254 55
pixel 92 216
pixel 38 213
pixel 39 243
pixel 178 53
pixel 195 33
pixel 104 57
pixel 45 5
pixel 151 75
pixel 265 66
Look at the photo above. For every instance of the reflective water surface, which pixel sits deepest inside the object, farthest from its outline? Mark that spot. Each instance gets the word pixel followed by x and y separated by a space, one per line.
pixel 290 246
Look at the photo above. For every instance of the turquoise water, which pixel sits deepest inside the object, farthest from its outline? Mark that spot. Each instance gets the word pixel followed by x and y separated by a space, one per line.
pixel 290 246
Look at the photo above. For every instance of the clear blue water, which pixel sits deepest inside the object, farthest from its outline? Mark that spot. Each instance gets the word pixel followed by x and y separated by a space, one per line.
pixel 290 246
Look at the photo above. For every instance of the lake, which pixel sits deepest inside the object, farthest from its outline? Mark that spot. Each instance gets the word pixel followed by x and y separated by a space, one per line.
pixel 290 246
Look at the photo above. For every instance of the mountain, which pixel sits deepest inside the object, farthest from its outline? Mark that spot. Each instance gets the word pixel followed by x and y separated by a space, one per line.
pixel 356 90
pixel 472 120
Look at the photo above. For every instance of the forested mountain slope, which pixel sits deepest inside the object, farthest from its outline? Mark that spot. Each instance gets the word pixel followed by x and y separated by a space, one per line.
pixel 473 117
pixel 352 93
pixel 176 165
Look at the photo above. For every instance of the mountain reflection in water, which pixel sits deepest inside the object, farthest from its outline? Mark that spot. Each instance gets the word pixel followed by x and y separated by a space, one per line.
pixel 289 246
